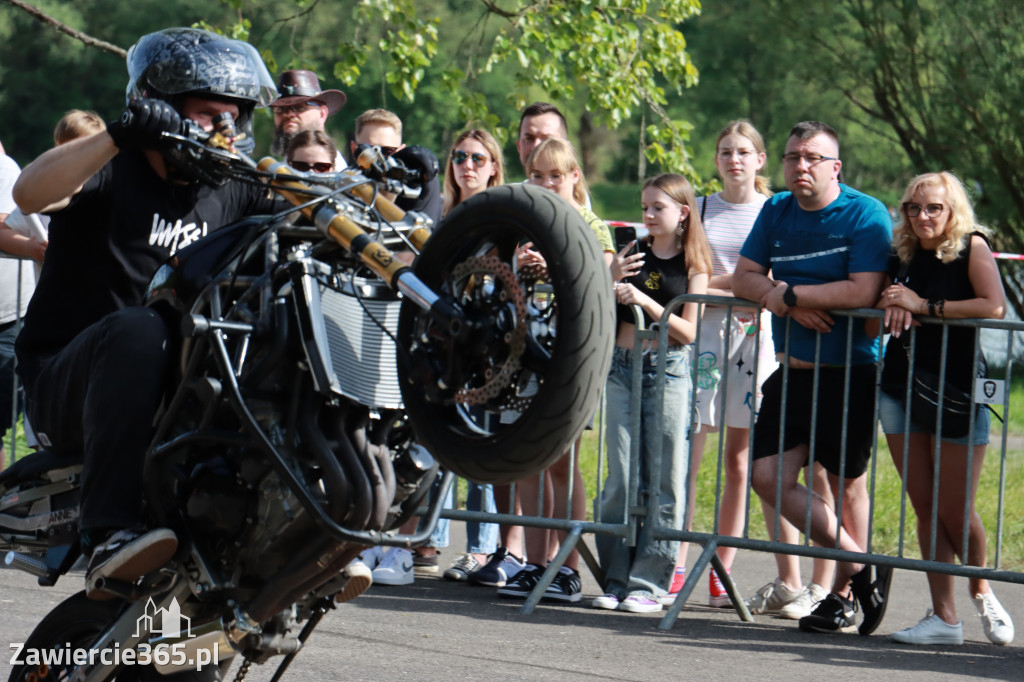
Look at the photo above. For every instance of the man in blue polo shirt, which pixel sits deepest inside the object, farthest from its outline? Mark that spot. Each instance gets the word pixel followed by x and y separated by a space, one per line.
pixel 827 247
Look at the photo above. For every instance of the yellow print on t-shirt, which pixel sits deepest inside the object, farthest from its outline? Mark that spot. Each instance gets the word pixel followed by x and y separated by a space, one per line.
pixel 654 281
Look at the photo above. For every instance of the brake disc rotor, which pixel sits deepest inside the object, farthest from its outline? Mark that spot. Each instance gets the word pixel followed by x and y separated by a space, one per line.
pixel 507 290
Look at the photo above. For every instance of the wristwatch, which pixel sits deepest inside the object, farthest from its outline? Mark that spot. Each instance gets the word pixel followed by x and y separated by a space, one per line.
pixel 789 296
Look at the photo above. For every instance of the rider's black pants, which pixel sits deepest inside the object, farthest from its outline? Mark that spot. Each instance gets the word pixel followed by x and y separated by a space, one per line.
pixel 98 396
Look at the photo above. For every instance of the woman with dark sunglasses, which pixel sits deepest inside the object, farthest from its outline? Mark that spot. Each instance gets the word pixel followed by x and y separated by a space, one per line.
pixel 474 165
pixel 311 150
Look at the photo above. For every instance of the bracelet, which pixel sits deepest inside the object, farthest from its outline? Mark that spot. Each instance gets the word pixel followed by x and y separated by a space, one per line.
pixel 942 309
pixel 931 307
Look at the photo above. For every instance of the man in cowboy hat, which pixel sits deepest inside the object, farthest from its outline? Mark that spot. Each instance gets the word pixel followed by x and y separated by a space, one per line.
pixel 302 106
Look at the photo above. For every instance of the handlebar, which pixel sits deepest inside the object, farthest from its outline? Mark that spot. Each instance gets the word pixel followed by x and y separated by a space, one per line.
pixel 218 148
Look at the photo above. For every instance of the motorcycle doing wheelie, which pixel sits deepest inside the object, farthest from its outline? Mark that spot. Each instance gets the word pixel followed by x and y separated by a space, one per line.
pixel 288 442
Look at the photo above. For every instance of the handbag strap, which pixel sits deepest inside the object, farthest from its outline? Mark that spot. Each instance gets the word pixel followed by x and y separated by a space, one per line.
pixel 901 275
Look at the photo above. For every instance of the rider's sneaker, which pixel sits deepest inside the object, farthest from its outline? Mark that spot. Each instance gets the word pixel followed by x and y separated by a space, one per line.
pixel 994 618
pixel 931 630
pixel 501 567
pixel 771 597
pixel 460 570
pixel 360 577
pixel 832 614
pixel 873 597
pixel 804 603
pixel 395 568
pixel 566 587
pixel 522 585
pixel 126 556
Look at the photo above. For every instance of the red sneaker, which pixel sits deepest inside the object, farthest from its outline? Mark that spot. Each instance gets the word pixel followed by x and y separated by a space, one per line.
pixel 717 596
pixel 678 580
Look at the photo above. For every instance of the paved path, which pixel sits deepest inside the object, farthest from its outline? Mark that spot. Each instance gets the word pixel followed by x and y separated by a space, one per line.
pixel 438 630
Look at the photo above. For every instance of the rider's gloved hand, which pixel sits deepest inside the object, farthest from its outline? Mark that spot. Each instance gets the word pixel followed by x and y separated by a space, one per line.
pixel 143 123
pixel 419 159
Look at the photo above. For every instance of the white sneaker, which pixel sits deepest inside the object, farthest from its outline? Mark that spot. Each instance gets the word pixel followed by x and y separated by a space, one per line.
pixel 609 602
pixel 640 603
pixel 804 602
pixel 931 630
pixel 395 568
pixel 370 557
pixel 994 618
pixel 771 597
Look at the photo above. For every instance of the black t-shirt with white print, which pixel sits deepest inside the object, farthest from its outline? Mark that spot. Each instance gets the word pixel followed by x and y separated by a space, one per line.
pixel 108 242
pixel 660 278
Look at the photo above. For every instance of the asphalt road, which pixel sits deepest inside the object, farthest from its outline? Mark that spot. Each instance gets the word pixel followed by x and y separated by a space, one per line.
pixel 438 630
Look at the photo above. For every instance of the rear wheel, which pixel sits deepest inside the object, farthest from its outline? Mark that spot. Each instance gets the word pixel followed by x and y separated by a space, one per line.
pixel 507 398
pixel 75 624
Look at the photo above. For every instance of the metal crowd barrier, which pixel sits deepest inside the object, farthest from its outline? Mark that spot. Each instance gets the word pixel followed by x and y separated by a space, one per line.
pixel 640 506
pixel 710 541
pixel 10 454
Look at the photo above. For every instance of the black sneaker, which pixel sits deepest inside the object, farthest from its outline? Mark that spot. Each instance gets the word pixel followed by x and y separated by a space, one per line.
pixel 566 587
pixel 522 585
pixel 873 597
pixel 832 614
pixel 126 556
pixel 500 568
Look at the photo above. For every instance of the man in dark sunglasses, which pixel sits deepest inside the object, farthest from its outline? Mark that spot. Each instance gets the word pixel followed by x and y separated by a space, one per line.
pixel 302 106
pixel 383 128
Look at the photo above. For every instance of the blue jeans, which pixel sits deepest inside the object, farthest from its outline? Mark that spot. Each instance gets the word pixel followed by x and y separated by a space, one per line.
pixel 481 538
pixel 648 567
pixel 892 414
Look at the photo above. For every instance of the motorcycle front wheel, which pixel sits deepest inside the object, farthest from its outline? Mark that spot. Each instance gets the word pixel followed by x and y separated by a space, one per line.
pixel 506 394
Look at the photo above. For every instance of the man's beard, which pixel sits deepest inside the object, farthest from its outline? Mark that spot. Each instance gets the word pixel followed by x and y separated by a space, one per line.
pixel 280 143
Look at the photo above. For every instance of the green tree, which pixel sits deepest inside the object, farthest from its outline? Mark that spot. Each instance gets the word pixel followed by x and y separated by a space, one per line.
pixel 941 77
pixel 45 72
pixel 614 56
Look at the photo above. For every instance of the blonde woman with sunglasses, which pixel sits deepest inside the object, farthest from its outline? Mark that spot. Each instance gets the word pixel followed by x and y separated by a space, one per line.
pixel 474 165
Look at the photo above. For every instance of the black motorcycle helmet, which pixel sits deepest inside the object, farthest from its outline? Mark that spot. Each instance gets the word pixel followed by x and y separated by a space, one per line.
pixel 176 62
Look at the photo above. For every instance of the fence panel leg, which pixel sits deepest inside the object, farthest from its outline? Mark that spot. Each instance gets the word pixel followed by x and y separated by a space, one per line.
pixel 669 618
pixel 552 570
pixel 730 588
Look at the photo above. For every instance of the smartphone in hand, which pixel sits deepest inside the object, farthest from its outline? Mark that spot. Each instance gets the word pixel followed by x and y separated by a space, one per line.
pixel 623 236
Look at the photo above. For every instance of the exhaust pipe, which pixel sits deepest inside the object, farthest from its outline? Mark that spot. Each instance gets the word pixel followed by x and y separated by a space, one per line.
pixel 195 649
pixel 29 564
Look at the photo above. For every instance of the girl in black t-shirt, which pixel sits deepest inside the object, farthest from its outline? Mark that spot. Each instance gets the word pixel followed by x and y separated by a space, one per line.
pixel 676 261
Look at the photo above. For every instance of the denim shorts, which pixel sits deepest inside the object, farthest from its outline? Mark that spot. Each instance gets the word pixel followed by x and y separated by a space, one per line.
pixel 892 413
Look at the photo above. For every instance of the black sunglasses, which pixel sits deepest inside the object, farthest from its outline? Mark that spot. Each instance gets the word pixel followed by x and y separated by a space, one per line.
pixel 319 166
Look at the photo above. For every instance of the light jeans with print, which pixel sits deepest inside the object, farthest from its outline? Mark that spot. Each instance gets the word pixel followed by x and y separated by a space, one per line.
pixel 647 568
